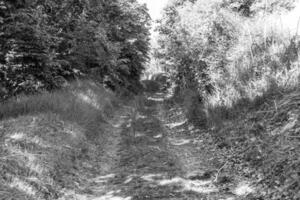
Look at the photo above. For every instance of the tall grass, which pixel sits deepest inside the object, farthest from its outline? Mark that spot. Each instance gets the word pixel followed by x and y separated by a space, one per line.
pixel 46 138
pixel 262 61
pixel 83 102
pixel 254 110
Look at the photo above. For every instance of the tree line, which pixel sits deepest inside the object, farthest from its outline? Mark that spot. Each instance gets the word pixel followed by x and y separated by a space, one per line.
pixel 44 44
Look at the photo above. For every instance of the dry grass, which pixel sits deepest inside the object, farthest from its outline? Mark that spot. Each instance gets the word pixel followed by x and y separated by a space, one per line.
pixel 84 103
pixel 46 139
pixel 266 141
pixel 262 61
pixel 79 99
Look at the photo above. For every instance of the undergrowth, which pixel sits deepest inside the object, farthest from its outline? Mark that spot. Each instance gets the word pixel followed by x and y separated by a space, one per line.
pixel 259 138
pixel 253 113
pixel 266 142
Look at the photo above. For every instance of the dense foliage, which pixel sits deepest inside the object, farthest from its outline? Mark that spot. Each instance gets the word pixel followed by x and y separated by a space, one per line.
pixel 228 48
pixel 45 43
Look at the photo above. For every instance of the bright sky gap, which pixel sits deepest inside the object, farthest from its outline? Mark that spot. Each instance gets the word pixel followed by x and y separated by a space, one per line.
pixel 155 7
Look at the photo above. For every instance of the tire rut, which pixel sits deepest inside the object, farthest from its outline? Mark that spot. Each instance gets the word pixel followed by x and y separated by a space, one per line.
pixel 154 157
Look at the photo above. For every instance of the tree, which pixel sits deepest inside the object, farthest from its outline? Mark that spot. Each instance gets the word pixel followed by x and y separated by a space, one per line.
pixel 187 40
pixel 46 43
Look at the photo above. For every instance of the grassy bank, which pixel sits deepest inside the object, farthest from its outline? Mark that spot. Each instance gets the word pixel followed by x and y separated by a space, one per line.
pixel 49 143
pixel 259 138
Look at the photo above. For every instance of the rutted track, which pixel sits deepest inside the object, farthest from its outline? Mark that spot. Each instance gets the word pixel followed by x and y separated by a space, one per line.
pixel 159 155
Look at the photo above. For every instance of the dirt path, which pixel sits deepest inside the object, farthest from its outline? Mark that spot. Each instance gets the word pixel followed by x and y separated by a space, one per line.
pixel 163 159
pixel 204 170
